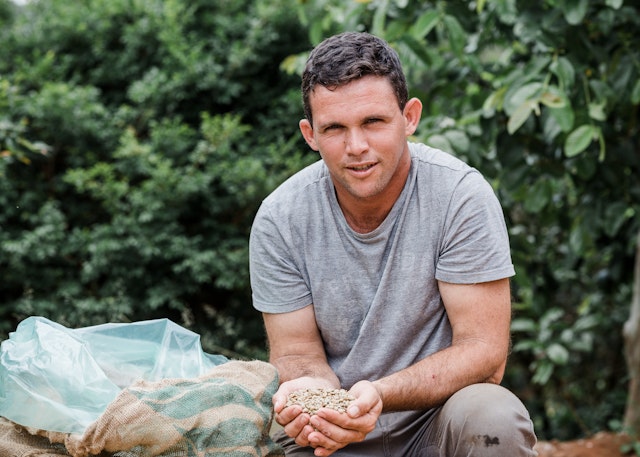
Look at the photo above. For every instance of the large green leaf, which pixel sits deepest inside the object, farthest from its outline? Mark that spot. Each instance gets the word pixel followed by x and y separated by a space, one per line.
pixel 574 10
pixel 578 140
pixel 635 93
pixel 543 372
pixel 457 35
pixel 539 195
pixel 379 18
pixel 558 354
pixel 520 116
pixel 553 97
pixel 425 23
pixel 564 116
pixel 565 72
pixel 522 95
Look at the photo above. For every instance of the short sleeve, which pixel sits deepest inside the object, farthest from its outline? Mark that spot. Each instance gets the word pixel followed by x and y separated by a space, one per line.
pixel 277 282
pixel 475 244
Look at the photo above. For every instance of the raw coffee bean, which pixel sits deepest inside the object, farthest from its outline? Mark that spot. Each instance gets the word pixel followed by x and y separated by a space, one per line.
pixel 312 400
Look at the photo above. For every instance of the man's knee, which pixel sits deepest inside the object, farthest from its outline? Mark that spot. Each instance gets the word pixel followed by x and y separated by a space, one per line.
pixel 487 418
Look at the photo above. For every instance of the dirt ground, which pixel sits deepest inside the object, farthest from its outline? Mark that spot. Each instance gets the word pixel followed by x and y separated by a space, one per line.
pixel 600 445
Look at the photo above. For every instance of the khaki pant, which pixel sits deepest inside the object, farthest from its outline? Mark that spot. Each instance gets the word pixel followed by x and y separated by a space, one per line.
pixel 479 420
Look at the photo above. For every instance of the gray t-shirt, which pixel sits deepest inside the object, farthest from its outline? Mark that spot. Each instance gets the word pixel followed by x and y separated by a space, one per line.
pixel 375 295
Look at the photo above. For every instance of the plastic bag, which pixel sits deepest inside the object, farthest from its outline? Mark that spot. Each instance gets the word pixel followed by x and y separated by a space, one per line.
pixel 59 379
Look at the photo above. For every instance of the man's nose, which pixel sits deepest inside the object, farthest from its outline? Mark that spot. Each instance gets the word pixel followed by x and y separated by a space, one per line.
pixel 356 141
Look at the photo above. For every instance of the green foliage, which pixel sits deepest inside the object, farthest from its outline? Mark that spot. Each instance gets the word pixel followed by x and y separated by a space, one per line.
pixel 137 139
pixel 543 98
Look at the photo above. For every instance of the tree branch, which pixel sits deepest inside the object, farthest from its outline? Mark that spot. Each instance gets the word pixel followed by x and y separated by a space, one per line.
pixel 631 334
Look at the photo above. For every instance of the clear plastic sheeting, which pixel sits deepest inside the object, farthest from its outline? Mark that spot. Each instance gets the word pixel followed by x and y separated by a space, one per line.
pixel 59 379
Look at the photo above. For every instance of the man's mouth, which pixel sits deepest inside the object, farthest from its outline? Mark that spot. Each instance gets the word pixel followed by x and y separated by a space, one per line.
pixel 361 167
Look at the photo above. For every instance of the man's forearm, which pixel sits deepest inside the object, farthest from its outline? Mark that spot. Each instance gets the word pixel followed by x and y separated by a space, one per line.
pixel 431 381
pixel 296 348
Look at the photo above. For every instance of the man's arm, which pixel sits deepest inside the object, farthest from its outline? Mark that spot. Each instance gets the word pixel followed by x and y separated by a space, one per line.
pixel 297 351
pixel 480 316
pixel 296 348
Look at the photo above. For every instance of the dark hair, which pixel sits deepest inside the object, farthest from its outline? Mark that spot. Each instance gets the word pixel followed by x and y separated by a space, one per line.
pixel 348 56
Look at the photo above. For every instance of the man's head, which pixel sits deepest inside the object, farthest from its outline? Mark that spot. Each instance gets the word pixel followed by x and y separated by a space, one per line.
pixel 343 58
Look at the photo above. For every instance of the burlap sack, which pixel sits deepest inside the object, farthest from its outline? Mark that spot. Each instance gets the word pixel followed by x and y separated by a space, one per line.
pixel 227 412
pixel 15 441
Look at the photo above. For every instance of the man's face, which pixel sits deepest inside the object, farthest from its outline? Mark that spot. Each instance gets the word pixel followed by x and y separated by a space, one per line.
pixel 361 134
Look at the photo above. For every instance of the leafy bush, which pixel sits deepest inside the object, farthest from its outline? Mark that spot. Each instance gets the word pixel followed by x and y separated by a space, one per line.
pixel 138 139
pixel 542 97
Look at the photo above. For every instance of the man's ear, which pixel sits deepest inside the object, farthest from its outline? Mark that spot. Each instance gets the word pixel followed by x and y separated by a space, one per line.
pixel 307 132
pixel 412 114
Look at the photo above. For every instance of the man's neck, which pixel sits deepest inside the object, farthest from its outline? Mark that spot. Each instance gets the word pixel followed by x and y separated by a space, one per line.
pixel 365 223
pixel 365 216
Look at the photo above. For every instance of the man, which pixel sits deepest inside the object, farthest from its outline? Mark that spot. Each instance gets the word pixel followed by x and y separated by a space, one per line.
pixel 383 269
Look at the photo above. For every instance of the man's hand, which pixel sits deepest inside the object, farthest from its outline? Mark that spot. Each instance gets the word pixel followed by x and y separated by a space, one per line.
pixel 330 430
pixel 293 420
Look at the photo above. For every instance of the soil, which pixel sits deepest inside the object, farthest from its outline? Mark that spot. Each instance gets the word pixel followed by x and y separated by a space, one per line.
pixel 600 445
